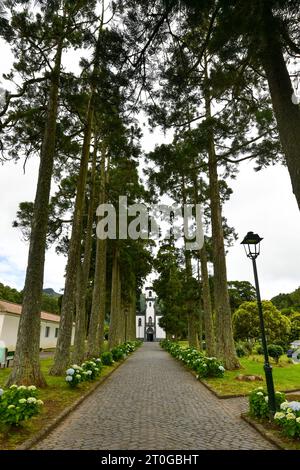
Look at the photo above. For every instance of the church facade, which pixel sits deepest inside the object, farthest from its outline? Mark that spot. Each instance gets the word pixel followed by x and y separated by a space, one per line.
pixel 147 324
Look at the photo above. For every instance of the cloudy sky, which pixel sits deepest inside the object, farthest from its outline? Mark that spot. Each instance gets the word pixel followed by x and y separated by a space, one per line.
pixel 262 202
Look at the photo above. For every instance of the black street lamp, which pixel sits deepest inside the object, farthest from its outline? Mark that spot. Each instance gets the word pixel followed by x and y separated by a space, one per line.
pixel 251 244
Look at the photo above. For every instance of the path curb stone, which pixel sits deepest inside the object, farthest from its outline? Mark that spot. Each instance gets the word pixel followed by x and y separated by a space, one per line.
pixel 266 434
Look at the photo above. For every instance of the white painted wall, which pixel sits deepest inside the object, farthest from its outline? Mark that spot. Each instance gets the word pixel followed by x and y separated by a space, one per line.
pixel 140 329
pixel 160 333
pixel 9 329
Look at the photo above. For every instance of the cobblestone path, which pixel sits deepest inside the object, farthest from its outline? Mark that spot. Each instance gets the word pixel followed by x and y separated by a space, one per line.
pixel 152 402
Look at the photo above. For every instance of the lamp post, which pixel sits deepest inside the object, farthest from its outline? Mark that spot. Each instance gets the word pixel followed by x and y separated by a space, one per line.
pixel 251 244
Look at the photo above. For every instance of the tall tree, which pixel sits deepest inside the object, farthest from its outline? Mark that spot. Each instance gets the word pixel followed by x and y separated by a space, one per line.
pixel 54 29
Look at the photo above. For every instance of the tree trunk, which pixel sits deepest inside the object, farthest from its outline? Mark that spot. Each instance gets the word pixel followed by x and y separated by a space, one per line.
pixel 131 320
pixel 225 344
pixel 84 271
pixel 62 351
pixel 97 319
pixel 287 114
pixel 206 300
pixel 192 317
pixel 26 369
pixel 116 321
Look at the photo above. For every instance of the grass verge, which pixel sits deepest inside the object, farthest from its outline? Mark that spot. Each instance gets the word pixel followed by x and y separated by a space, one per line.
pixel 57 396
pixel 286 377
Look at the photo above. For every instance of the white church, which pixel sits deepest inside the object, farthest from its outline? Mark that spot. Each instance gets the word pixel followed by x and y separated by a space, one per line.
pixel 147 324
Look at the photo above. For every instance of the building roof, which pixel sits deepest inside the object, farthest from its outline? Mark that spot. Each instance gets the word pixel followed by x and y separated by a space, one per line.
pixel 10 307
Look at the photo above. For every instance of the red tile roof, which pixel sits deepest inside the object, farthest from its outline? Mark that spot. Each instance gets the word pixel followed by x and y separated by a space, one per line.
pixel 10 307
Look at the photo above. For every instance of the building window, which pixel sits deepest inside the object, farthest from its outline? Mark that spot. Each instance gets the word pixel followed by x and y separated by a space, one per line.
pixel 56 333
pixel 150 320
pixel 47 331
pixel 150 304
pixel 150 293
pixel 140 322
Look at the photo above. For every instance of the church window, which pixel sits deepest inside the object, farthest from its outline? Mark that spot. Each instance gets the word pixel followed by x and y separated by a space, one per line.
pixel 150 320
pixel 150 293
pixel 140 322
pixel 150 304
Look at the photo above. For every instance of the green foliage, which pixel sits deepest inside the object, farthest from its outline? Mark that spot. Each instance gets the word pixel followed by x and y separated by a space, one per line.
pixel 243 348
pixel 258 402
pixel 18 404
pixel 246 324
pixel 49 302
pixel 288 418
pixel 239 292
pixel 289 301
pixel 117 353
pixel 275 351
pixel 91 369
pixel 107 358
pixel 195 360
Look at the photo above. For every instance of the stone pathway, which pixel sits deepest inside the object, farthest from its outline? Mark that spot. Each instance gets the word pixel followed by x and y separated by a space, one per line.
pixel 151 402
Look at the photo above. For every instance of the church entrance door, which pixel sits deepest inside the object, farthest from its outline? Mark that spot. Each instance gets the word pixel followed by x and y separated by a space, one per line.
pixel 149 336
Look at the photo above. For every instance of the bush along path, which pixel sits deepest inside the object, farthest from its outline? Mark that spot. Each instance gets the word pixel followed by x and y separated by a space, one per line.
pixel 23 415
pixel 286 424
pixel 151 402
pixel 197 361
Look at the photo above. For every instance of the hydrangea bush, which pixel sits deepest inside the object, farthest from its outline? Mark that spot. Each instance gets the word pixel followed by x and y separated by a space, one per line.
pixel 18 404
pixel 196 360
pixel 258 402
pixel 288 418
pixel 91 369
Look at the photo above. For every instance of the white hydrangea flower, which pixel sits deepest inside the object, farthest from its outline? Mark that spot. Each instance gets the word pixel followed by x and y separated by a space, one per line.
pixel 10 407
pixel 298 420
pixel 39 402
pixel 70 371
pixel 284 405
pixel 89 372
pixel 221 368
pixel 259 393
pixel 74 366
pixel 31 400
pixel 267 399
pixel 22 387
pixel 78 376
pixel 32 387
pixel 69 378
pixel 290 416
pixel 13 386
pixel 98 360
pixel 279 415
pixel 22 400
pixel 1 392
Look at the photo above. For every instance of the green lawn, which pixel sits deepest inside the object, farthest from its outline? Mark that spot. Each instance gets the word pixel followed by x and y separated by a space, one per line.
pixel 57 396
pixel 286 377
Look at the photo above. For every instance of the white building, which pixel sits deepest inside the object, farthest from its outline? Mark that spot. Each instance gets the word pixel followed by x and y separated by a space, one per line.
pixel 147 325
pixel 9 323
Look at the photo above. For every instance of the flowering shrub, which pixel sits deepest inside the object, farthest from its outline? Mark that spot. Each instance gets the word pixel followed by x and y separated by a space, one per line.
pixel 196 360
pixel 74 375
pixel 18 404
pixel 117 353
pixel 258 401
pixel 107 358
pixel 288 418
pixel 91 369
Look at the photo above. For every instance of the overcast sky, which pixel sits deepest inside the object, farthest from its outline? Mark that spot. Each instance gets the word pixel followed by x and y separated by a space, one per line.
pixel 262 202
